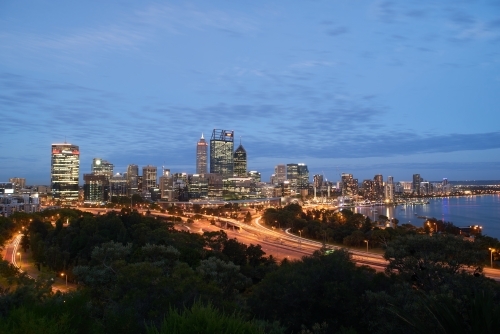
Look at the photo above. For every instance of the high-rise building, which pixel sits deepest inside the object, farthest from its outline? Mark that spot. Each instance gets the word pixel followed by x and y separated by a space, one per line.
pixel 149 176
pixel 292 175
pixel 201 156
pixel 102 167
pixel 280 172
pixel 65 172
pixel 302 176
pixel 378 185
pixel 221 153
pixel 94 188
pixel 132 179
pixel 240 162
pixel 416 183
pixel 167 186
pixel 118 186
pixel 349 185
pixel 389 189
pixel 368 188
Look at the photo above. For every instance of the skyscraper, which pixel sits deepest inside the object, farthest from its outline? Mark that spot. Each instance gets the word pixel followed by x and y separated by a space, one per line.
pixel 280 172
pixel 201 156
pixel 149 176
pixel 378 184
pixel 389 189
pixel 65 172
pixel 102 167
pixel 221 153
pixel 302 176
pixel 416 183
pixel 292 175
pixel 132 179
pixel 240 162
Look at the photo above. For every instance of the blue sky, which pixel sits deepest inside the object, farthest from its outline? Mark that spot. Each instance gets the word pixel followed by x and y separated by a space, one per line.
pixel 364 87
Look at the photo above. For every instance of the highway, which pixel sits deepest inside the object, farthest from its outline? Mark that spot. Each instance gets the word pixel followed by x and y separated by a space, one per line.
pixel 280 243
pixel 11 254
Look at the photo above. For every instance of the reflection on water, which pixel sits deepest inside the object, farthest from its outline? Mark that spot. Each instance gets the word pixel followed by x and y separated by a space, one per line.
pixel 483 210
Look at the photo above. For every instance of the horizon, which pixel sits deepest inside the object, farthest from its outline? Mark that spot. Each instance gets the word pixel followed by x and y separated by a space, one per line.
pixel 373 88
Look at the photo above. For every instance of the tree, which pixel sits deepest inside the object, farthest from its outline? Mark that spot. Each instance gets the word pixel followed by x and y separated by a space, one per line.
pixel 248 217
pixel 428 261
pixel 207 319
pixel 318 289
pixel 25 242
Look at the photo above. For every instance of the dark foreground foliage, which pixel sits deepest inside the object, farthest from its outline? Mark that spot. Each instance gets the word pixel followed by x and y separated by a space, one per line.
pixel 136 274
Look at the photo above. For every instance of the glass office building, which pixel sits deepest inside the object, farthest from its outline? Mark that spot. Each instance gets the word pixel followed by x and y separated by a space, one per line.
pixel 64 172
pixel 221 153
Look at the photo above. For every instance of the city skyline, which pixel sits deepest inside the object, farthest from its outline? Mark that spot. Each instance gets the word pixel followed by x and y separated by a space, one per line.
pixel 373 88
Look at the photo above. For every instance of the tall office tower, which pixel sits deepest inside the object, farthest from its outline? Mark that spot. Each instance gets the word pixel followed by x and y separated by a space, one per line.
pixel 292 175
pixel 302 176
pixel 149 174
pixel 19 183
pixel 378 184
pixel 201 156
pixel 132 179
pixel 65 172
pixel 166 186
pixel 94 188
pixel 102 167
pixel 280 172
pixel 416 183
pixel 349 185
pixel 221 153
pixel 240 162
pixel 389 189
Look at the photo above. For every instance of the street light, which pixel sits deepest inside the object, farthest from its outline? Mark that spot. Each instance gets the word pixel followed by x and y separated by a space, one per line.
pixel 63 274
pixel 491 256
pixel 300 240
pixel 20 259
pixel 366 245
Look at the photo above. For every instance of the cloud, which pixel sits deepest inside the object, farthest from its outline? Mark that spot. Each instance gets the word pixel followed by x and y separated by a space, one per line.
pixel 337 31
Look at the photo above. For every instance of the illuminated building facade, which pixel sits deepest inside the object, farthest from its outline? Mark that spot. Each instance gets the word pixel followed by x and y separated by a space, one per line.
pixel 221 153
pixel 201 156
pixel 240 162
pixel 149 177
pixel 416 183
pixel 280 173
pixel 378 186
pixel 95 188
pixel 302 177
pixel 292 175
pixel 349 185
pixel 102 167
pixel 133 179
pixel 64 172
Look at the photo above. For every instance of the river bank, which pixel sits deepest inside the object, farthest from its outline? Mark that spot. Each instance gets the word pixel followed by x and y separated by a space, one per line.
pixel 482 210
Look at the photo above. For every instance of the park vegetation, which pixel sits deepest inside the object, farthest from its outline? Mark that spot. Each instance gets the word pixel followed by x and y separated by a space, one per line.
pixel 138 274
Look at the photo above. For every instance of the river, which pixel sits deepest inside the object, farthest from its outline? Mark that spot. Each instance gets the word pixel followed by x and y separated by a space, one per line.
pixel 482 210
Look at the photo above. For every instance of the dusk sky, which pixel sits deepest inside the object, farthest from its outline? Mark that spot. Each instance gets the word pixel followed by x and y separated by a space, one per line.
pixel 362 87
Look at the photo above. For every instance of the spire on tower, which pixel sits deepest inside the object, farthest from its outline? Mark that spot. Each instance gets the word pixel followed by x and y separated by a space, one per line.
pixel 202 136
